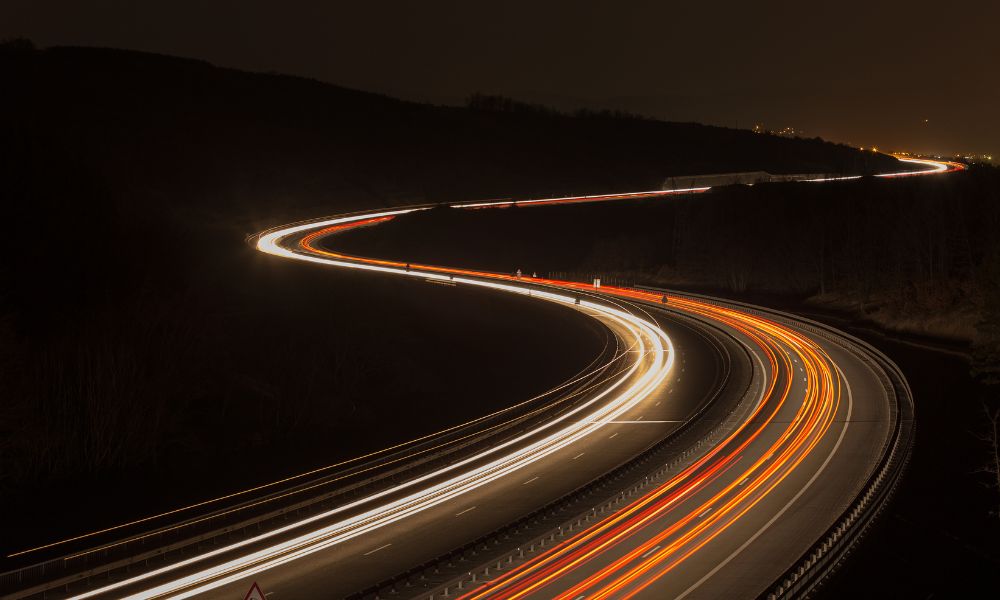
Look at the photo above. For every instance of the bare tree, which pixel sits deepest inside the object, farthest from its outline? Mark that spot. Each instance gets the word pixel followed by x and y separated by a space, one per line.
pixel 992 439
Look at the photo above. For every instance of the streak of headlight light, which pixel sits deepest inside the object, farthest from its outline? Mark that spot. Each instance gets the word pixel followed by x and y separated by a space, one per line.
pixel 269 242
pixel 844 178
pixel 663 359
pixel 935 167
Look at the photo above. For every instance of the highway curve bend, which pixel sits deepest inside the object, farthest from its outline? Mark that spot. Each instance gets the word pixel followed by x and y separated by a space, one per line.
pixel 823 423
pixel 767 444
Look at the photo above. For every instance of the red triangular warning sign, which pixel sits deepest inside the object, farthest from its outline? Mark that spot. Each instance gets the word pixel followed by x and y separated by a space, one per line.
pixel 254 593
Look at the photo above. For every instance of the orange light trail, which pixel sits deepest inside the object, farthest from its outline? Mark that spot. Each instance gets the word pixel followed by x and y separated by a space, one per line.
pixel 813 418
pixel 747 489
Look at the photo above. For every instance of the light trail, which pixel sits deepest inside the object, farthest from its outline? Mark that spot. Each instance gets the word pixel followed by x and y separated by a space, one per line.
pixel 581 199
pixel 934 167
pixel 653 360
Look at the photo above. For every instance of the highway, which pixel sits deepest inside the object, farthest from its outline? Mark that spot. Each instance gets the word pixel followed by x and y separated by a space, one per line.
pixel 791 422
pixel 731 523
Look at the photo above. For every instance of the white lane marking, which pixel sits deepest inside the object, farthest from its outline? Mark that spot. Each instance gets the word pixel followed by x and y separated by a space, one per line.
pixel 377 549
pixel 530 480
pixel 578 455
pixel 459 514
pixel 612 435
pixel 658 402
pixel 706 511
pixel 650 552
pixel 745 479
pixel 822 467
pixel 639 418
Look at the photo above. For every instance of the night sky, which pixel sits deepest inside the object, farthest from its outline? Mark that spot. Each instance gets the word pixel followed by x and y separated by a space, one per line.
pixel 919 75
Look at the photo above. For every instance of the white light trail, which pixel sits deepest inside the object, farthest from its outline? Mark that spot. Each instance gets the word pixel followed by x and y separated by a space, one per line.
pixel 934 167
pixel 655 353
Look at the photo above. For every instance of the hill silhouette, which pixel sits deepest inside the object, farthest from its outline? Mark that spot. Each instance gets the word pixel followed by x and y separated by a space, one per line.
pixel 221 138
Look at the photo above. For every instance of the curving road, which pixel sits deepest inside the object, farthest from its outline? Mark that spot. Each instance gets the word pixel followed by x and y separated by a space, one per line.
pixel 785 424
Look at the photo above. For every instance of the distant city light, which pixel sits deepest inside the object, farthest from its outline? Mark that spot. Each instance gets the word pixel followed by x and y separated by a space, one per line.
pixel 783 132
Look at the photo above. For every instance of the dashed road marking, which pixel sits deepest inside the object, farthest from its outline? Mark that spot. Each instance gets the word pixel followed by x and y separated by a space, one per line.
pixel 377 549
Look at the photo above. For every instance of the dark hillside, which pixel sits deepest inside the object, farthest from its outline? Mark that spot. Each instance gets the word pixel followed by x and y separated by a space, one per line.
pixel 219 139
